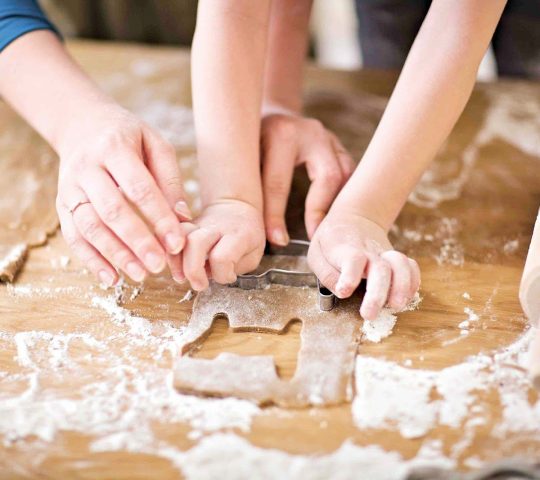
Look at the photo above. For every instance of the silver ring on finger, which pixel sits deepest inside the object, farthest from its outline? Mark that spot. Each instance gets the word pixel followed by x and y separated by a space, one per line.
pixel 77 205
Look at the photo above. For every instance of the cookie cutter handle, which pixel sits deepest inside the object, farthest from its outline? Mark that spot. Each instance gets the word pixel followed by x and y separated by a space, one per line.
pixel 327 300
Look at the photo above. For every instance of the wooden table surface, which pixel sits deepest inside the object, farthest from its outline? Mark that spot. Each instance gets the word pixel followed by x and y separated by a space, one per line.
pixel 468 225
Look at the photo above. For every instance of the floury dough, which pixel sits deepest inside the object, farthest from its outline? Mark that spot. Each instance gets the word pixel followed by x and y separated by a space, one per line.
pixel 329 342
pixel 28 185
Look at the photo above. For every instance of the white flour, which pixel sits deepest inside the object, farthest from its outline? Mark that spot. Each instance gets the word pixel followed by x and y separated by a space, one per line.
pixel 174 122
pixel 413 401
pixel 124 393
pixel 228 456
pixel 121 393
pixel 512 117
pixel 375 330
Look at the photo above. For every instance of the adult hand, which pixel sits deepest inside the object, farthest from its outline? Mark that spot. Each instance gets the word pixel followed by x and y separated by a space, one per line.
pixel 120 195
pixel 287 141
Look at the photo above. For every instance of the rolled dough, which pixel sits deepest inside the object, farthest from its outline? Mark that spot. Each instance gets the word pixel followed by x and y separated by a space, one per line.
pixel 329 341
pixel 28 185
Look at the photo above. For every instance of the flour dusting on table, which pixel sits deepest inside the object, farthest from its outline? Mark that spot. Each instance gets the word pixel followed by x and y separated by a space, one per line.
pixel 390 396
pixel 383 325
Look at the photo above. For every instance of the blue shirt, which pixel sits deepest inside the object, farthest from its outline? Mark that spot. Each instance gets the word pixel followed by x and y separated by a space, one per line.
pixel 18 17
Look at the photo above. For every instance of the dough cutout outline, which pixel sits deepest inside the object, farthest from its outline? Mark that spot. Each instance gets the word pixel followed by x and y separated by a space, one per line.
pixel 325 363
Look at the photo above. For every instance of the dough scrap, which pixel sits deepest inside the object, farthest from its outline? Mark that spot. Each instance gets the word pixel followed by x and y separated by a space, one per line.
pixel 329 341
pixel 28 185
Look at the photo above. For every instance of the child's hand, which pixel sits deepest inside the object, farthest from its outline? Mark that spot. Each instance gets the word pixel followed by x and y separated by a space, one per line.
pixel 347 247
pixel 229 241
pixel 120 195
pixel 287 141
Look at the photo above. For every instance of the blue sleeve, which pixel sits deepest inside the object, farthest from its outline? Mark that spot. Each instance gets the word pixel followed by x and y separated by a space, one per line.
pixel 18 17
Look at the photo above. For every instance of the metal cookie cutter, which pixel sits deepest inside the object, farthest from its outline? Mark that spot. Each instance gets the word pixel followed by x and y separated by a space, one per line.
pixel 292 278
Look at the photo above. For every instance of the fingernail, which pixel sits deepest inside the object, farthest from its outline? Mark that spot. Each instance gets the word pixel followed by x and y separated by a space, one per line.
pixel 154 262
pixel 181 208
pixel 135 271
pixel 179 278
pixel 280 237
pixel 106 278
pixel 174 243
pixel 341 288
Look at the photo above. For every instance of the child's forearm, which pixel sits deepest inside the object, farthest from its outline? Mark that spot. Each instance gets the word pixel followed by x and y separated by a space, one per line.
pixel 41 81
pixel 227 77
pixel 287 47
pixel 432 91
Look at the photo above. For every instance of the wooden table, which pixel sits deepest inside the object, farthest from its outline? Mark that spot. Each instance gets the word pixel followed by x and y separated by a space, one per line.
pixel 468 225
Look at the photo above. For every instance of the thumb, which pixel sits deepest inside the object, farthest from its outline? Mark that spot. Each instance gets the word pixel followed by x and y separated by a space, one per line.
pixel 161 162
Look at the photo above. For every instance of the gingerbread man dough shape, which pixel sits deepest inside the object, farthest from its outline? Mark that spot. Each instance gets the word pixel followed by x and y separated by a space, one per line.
pixel 329 342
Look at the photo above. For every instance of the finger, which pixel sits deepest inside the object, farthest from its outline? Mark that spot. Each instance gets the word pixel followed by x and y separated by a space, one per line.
pixel 346 162
pixel 279 156
pixel 87 254
pixel 224 257
pixel 140 188
pixel 326 178
pixel 96 233
pixel 198 247
pixel 163 165
pixel 400 287
pixel 378 286
pixel 175 262
pixel 352 271
pixel 249 262
pixel 415 277
pixel 117 214
pixel 327 274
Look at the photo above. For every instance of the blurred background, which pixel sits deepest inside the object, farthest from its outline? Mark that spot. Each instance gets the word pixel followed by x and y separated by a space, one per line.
pixel 341 30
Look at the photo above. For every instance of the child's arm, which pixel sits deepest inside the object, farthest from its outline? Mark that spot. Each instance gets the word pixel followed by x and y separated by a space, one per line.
pixel 101 147
pixel 434 86
pixel 227 71
pixel 288 139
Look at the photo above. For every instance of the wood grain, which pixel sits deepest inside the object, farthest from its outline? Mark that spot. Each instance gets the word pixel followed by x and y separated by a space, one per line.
pixel 474 243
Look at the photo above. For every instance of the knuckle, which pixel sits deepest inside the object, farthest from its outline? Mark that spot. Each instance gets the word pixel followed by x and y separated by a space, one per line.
pixel 331 175
pixel 164 225
pixel 142 244
pixel 174 181
pixel 112 211
pixel 250 265
pixel 121 257
pixel 73 242
pixel 328 279
pixel 115 139
pixel 315 123
pixel 140 192
pixel 93 263
pixel 219 259
pixel 89 228
pixel 275 185
pixel 283 128
pixel 396 256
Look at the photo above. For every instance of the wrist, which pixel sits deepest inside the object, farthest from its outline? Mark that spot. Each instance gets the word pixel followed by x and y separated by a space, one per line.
pixel 211 195
pixel 362 207
pixel 84 122
pixel 270 107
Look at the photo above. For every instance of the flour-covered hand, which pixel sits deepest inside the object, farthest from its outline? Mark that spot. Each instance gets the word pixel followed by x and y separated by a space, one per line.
pixel 347 248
